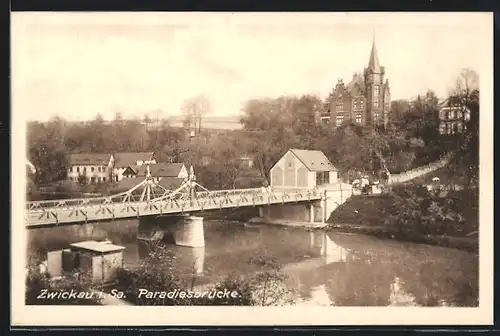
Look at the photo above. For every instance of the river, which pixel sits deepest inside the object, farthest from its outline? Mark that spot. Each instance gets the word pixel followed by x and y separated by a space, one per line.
pixel 322 268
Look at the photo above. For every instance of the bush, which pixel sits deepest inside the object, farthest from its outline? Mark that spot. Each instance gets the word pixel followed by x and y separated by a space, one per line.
pixel 67 187
pixel 158 274
pixel 41 290
pixel 415 212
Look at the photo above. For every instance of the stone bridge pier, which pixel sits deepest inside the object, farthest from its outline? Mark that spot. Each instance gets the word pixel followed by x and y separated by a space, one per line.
pixel 182 230
pixel 317 211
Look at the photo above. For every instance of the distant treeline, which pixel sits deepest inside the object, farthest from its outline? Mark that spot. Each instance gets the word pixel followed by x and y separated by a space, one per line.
pixel 270 128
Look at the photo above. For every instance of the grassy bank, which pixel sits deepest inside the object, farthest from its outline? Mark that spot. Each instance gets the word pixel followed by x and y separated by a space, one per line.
pixel 411 213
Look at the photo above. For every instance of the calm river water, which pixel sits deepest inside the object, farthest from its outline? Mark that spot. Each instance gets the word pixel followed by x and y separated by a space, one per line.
pixel 322 268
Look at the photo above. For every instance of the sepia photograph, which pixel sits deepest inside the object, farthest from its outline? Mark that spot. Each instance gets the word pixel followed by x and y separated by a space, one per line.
pixel 309 168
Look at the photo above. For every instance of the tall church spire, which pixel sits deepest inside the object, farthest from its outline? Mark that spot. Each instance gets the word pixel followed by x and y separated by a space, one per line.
pixel 374 64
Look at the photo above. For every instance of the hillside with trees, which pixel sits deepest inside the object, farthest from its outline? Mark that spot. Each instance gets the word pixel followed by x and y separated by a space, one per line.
pixel 271 126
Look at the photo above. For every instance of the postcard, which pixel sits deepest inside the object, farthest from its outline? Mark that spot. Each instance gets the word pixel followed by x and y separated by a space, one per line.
pixel 252 168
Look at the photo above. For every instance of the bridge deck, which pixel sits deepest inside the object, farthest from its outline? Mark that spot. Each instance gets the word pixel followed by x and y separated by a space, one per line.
pixel 50 213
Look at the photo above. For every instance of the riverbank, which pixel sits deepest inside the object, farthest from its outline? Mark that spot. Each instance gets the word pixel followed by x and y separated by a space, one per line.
pixel 414 214
pixel 470 244
pixel 284 222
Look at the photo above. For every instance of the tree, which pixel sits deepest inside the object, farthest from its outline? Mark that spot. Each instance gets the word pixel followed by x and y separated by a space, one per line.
pixel 422 122
pixel 276 125
pixel 194 110
pixel 398 110
pixel 465 96
pixel 47 151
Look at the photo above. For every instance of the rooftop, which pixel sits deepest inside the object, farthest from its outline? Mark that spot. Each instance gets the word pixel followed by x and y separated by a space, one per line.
pixel 314 160
pixel 89 159
pixel 125 159
pixel 161 169
pixel 95 246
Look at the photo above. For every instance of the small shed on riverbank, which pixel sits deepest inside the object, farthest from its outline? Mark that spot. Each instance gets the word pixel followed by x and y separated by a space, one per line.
pixel 101 259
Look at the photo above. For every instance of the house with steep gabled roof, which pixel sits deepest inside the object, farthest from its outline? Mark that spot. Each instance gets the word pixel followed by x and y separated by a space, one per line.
pixel 125 159
pixel 163 170
pixel 300 168
pixel 124 163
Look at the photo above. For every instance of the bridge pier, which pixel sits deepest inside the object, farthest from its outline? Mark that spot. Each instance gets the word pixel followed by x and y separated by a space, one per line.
pixel 181 230
pixel 190 232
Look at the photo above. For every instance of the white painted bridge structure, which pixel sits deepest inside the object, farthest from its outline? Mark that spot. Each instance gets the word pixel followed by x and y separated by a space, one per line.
pixel 149 198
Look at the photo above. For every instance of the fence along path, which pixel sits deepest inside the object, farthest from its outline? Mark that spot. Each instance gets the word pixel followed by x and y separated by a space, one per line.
pixel 417 172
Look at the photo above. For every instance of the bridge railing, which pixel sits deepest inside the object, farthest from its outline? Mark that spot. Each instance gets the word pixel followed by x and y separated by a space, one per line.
pixel 200 198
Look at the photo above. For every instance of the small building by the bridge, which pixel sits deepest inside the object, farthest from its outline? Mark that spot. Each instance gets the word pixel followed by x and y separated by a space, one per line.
pixel 162 170
pixel 300 168
pixel 125 162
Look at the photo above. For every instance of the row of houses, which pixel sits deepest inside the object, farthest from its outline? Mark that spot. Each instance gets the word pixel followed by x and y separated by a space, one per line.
pixel 99 168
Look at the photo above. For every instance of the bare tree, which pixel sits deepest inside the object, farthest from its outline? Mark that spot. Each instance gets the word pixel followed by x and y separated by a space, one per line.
pixel 465 98
pixel 194 110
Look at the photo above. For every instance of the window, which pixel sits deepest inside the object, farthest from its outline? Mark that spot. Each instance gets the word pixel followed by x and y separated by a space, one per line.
pixel 340 103
pixel 466 116
pixel 447 115
pixel 376 104
pixel 340 120
pixel 92 169
pixel 375 117
pixel 104 179
pixel 358 118
pixel 325 121
pixel 84 169
pixel 361 104
pixel 377 90
pixel 355 104
pixel 77 169
pixel 322 178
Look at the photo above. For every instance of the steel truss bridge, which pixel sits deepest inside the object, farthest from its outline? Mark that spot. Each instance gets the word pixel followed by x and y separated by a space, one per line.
pixel 150 198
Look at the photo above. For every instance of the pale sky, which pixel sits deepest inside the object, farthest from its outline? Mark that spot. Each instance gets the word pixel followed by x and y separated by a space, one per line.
pixel 78 65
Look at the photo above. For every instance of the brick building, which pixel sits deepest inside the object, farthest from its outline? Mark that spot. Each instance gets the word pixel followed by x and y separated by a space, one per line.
pixel 365 99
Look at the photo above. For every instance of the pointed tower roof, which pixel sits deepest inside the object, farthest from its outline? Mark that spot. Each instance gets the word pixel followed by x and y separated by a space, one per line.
pixel 374 64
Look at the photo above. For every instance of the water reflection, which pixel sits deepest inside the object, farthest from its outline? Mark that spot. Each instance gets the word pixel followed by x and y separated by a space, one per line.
pixel 322 268
pixel 189 260
pixel 398 296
